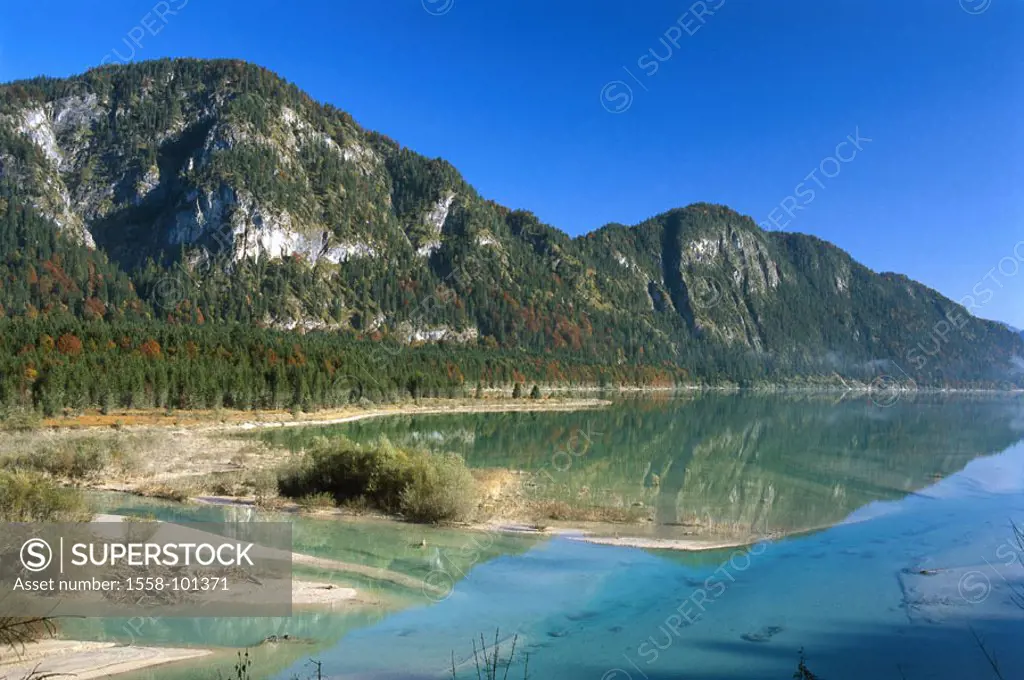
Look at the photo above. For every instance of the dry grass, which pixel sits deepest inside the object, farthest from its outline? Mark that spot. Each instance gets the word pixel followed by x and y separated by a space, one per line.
pixel 315 502
pixel 29 496
pixel 75 459
pixel 255 484
pixel 20 420
pixel 148 455
pixel 165 492
pixel 170 464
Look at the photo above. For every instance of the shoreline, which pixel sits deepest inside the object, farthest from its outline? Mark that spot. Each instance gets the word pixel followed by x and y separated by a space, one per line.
pixel 227 420
pixel 416 410
pixel 86 660
pixel 584 535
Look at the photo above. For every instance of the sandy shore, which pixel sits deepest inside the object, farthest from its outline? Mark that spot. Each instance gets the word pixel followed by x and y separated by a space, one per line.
pixel 85 660
pixel 322 594
pixel 686 544
pixel 242 420
pixel 420 410
pixel 587 534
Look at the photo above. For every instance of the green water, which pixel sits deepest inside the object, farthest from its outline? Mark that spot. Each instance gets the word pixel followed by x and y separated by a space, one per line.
pixel 395 549
pixel 713 464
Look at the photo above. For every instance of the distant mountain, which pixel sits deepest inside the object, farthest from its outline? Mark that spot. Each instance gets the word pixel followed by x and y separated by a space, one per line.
pixel 214 191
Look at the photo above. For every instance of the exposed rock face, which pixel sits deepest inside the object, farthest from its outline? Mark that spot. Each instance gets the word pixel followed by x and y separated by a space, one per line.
pixel 35 123
pixel 409 333
pixel 343 252
pixel 221 217
pixel 75 115
pixel 205 212
pixel 436 217
pixel 434 223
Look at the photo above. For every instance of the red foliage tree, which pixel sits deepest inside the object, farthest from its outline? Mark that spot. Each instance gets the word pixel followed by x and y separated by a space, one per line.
pixel 69 345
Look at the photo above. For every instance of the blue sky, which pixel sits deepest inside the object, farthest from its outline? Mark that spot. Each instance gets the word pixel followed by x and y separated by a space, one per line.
pixel 561 107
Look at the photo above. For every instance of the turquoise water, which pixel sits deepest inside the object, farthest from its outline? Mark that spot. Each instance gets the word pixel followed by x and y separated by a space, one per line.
pixel 906 558
pixel 851 596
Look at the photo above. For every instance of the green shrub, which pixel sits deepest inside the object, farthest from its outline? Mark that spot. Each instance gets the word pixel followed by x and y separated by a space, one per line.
pixel 28 496
pixel 421 486
pixel 441 489
pixel 535 393
pixel 347 471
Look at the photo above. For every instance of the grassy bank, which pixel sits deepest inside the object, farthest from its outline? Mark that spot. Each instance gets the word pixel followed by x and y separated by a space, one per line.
pixel 41 476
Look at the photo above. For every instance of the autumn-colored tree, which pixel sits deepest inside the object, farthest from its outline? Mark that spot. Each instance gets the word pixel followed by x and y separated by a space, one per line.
pixel 150 349
pixel 69 345
pixel 93 308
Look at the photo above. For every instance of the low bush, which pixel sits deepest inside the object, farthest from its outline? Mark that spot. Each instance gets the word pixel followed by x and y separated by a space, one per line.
pixel 29 496
pixel 441 489
pixel 421 486
pixel 166 492
pixel 317 501
pixel 73 459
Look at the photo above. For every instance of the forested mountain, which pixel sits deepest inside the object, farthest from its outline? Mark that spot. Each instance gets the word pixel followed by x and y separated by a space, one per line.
pixel 203 193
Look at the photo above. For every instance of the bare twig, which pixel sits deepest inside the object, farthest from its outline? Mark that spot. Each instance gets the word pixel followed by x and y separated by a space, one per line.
pixel 511 655
pixel 16 632
pixel 494 658
pixel 988 656
pixel 476 659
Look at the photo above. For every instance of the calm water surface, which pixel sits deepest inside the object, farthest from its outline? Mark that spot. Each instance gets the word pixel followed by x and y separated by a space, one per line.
pixel 906 559
pixel 714 464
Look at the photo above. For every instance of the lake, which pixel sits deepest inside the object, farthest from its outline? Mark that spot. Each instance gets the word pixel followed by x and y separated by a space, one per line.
pixel 883 546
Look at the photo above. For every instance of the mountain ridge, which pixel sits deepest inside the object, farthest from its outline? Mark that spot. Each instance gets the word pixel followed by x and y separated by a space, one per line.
pixel 224 193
